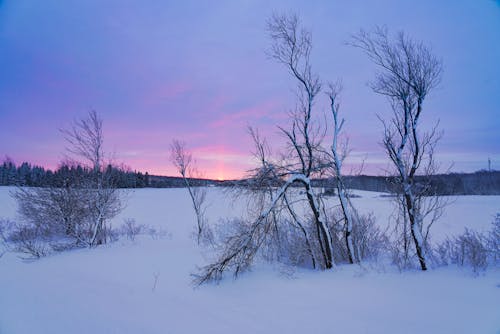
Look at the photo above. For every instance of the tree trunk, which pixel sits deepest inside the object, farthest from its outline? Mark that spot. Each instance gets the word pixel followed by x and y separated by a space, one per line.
pixel 324 236
pixel 415 233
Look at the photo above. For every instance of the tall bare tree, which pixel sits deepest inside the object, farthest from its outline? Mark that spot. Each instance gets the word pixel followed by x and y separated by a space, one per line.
pixel 302 159
pixel 408 73
pixel 338 154
pixel 86 144
pixel 292 47
pixel 183 162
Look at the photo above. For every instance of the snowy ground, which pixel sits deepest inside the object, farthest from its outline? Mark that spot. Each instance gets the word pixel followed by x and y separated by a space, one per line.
pixel 144 286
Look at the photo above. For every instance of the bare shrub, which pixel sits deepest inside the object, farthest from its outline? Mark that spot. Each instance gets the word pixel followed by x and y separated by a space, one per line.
pixel 30 240
pixel 53 210
pixel 468 249
pixel 471 248
pixel 370 240
pixel 493 240
pixel 131 229
pixel 286 243
pixel 156 234
pixel 239 243
pixel 207 237
pixel 6 226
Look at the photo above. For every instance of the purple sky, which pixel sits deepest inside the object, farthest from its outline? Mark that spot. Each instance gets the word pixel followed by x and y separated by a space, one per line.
pixel 198 71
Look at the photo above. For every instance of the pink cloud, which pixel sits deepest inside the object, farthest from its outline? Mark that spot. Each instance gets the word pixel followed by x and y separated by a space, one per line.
pixel 166 92
pixel 243 116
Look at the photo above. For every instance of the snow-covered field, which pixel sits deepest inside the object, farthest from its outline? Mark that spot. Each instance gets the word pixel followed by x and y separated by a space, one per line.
pixel 144 286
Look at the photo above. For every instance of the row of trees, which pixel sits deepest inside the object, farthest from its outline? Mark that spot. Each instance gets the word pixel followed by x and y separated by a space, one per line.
pixel 35 176
pixel 479 183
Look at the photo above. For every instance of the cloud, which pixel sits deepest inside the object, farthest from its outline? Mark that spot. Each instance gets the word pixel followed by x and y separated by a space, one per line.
pixel 168 91
pixel 247 115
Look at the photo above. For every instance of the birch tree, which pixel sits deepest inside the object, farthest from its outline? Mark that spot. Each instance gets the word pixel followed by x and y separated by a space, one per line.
pixel 292 47
pixel 183 162
pixel 302 159
pixel 408 72
pixel 74 209
pixel 103 199
pixel 338 154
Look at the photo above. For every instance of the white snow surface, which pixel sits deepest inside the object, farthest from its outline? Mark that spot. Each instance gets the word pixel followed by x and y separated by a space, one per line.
pixel 112 289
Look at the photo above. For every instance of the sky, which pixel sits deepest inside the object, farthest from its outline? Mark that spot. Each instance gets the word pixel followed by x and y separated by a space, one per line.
pixel 198 71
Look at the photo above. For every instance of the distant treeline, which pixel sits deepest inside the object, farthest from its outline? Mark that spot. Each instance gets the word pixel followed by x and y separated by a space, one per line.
pixel 35 176
pixel 478 183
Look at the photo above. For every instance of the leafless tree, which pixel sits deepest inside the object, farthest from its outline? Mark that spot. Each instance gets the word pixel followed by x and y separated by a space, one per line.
pixel 278 181
pixel 292 47
pixel 408 73
pixel 60 210
pixel 338 154
pixel 104 200
pixel 183 162
pixel 290 235
pixel 74 211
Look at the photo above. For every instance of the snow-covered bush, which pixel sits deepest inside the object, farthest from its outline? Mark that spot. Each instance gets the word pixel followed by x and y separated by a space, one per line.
pixel 370 240
pixel 471 248
pixel 5 227
pixel 493 241
pixel 232 236
pixel 131 229
pixel 287 245
pixel 30 240
pixel 156 234
pixel 36 240
pixel 467 249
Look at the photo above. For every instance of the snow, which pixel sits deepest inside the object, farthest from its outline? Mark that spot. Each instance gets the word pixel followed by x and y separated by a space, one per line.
pixel 112 289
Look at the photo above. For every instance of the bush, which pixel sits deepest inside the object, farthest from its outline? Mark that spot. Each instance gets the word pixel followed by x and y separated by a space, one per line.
pixel 493 241
pixel 471 249
pixel 5 227
pixel 369 239
pixel 131 229
pixel 37 240
pixel 29 240
pixel 468 249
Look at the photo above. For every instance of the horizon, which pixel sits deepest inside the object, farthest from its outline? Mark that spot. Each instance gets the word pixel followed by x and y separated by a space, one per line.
pixel 129 169
pixel 199 73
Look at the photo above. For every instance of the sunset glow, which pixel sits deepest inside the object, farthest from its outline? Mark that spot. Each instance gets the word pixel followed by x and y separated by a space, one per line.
pixel 198 72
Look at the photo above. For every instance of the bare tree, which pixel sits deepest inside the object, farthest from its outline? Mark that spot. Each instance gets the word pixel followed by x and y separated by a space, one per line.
pixel 275 182
pixel 264 181
pixel 57 209
pixel 292 47
pixel 183 162
pixel 104 200
pixel 408 73
pixel 73 210
pixel 338 154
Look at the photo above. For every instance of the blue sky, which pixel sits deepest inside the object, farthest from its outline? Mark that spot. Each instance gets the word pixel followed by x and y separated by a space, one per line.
pixel 198 71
